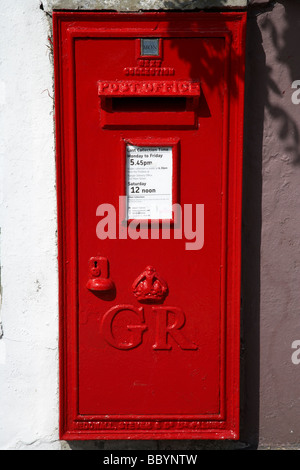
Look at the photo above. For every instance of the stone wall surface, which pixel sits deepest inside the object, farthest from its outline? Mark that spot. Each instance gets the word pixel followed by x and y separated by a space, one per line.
pixel 136 5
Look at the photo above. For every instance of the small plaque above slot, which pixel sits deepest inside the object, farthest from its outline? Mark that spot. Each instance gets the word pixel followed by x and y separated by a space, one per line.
pixel 150 47
pixel 174 88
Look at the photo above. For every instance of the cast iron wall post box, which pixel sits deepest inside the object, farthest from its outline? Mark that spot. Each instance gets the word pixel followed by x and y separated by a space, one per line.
pixel 149 121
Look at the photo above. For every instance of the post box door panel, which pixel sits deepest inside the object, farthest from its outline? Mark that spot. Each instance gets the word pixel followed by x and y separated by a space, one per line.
pixel 149 118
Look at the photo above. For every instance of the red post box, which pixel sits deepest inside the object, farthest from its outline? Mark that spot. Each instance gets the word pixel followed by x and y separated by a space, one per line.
pixel 149 120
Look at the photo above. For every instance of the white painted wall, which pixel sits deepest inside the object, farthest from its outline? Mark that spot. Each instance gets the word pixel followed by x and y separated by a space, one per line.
pixel 29 311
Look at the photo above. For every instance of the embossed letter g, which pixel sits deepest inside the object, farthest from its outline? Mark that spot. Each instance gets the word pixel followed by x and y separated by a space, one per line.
pixel 136 330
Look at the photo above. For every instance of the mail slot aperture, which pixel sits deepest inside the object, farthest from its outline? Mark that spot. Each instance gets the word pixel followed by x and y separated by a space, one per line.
pixel 179 99
pixel 150 104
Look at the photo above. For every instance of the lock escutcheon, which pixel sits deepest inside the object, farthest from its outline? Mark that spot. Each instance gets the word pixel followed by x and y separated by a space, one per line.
pixel 99 275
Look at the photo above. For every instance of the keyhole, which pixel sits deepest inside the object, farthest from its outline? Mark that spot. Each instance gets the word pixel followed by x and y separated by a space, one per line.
pixel 95 264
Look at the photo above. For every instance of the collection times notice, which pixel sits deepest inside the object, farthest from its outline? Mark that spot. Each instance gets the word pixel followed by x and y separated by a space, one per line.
pixel 149 173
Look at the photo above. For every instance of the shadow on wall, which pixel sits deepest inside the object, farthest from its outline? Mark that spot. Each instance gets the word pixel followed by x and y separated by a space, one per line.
pixel 271 67
pixel 285 44
pixel 263 93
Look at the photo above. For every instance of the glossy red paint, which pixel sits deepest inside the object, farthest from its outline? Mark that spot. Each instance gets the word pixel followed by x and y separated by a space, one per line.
pixel 157 356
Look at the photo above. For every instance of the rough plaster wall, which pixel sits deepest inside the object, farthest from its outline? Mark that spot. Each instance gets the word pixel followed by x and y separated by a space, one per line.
pixel 271 221
pixel 280 242
pixel 271 247
pixel 28 348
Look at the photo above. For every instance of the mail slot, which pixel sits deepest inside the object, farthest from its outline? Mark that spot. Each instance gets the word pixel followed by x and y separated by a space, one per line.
pixel 149 127
pixel 149 104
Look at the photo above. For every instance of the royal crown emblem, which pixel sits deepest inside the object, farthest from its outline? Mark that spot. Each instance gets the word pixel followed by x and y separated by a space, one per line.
pixel 150 286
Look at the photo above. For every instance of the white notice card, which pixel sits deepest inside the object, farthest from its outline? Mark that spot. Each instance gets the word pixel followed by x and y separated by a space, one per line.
pixel 149 173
